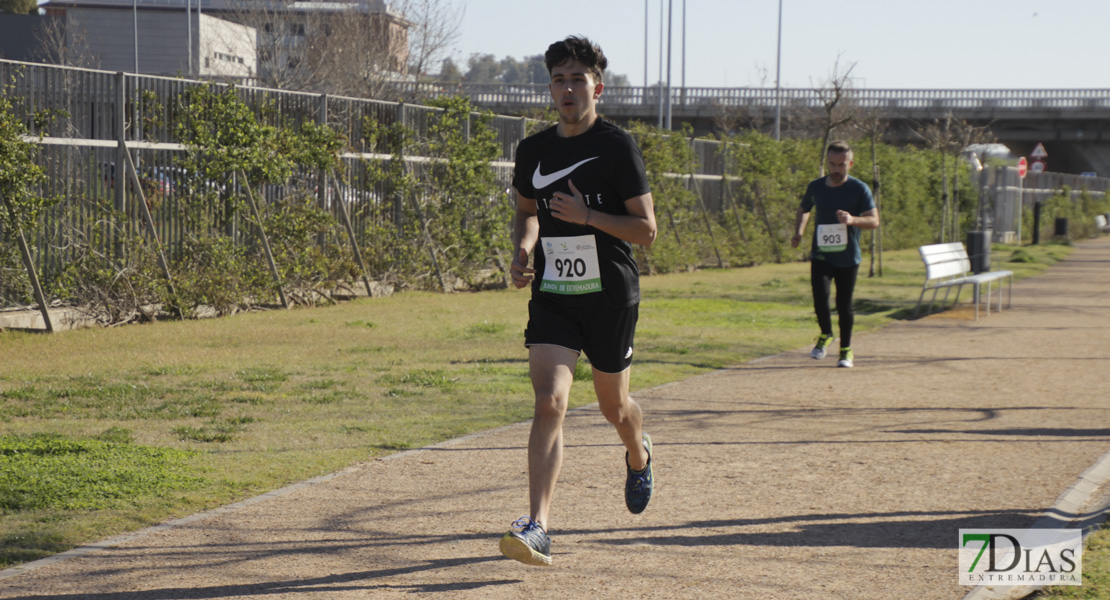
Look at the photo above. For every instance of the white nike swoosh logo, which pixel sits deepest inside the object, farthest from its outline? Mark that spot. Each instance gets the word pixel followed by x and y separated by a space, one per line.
pixel 540 181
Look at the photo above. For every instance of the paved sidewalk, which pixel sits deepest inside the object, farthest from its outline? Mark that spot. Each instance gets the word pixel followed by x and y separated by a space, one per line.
pixel 781 478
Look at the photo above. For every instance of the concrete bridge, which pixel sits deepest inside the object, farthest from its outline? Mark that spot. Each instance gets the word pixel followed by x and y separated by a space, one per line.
pixel 1073 125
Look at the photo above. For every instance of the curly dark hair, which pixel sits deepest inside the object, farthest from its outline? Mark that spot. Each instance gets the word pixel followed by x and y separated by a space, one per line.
pixel 577 48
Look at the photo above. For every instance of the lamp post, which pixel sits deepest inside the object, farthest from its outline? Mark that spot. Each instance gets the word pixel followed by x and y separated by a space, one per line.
pixel 200 47
pixel 135 28
pixel 645 44
pixel 778 77
pixel 670 39
pixel 661 44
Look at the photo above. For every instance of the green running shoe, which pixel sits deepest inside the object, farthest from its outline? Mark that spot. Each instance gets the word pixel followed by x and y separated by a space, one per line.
pixel 846 358
pixel 822 347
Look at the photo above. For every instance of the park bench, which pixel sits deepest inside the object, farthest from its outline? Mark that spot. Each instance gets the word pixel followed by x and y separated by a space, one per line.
pixel 1102 223
pixel 947 266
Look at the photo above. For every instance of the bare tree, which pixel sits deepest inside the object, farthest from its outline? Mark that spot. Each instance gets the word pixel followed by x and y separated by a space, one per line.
pixel 280 33
pixel 837 104
pixel 354 55
pixel 372 49
pixel 433 28
pixel 65 43
pixel 727 119
pixel 949 136
pixel 964 134
pixel 324 47
pixel 872 125
pixel 936 136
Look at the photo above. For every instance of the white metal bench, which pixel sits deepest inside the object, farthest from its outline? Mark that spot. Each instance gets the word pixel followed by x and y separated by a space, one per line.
pixel 947 266
pixel 1102 223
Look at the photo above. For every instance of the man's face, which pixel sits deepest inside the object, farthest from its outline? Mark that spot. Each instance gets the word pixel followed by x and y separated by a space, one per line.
pixel 575 92
pixel 839 165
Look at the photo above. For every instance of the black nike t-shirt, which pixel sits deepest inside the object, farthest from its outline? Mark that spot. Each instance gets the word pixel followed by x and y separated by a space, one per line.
pixel 607 168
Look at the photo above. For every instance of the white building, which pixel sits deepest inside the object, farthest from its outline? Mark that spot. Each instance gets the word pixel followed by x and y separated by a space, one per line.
pixel 158 37
pixel 280 43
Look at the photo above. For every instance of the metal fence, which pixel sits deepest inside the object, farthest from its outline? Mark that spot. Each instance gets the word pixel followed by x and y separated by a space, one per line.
pixel 536 96
pixel 103 116
pixel 1002 191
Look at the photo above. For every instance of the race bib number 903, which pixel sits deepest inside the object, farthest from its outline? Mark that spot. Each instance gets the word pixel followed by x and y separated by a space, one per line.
pixel 832 238
pixel 571 266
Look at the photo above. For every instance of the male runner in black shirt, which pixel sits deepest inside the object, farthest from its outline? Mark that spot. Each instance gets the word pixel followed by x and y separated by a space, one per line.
pixel 582 201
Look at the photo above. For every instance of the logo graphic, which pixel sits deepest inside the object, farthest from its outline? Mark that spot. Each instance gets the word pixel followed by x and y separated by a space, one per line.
pixel 1009 557
pixel 628 354
pixel 540 181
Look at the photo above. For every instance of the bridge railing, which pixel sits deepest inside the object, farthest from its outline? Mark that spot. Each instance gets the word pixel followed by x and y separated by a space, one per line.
pixel 537 96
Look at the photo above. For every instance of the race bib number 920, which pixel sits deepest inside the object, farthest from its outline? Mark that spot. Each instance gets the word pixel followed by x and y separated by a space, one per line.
pixel 571 266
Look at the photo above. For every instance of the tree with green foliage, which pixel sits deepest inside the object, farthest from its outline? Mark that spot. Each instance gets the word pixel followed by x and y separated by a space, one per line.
pixel 231 147
pixel 772 176
pixel 472 215
pixel 19 7
pixel 21 205
pixel 449 72
pixel 483 68
pixel 530 70
pixel 393 255
pixel 486 68
pixel 452 220
pixel 1078 207
pixel 233 151
pixel 20 173
pixel 680 243
pixel 231 139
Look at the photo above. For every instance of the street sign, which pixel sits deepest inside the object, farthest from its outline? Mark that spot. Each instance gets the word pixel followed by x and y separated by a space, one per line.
pixel 1037 166
pixel 1023 167
pixel 1039 151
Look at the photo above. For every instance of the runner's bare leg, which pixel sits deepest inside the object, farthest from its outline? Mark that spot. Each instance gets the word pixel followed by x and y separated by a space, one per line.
pixel 552 372
pixel 623 412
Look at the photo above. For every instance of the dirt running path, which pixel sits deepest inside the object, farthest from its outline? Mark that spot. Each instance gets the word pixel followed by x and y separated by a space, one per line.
pixel 781 478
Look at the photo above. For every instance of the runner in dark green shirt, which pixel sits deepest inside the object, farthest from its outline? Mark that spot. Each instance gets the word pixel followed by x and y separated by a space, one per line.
pixel 843 206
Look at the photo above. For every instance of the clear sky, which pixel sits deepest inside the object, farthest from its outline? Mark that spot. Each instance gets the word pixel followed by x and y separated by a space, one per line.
pixel 930 44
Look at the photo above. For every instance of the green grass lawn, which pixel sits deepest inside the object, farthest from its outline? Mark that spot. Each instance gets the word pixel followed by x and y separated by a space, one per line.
pixel 1096 572
pixel 103 431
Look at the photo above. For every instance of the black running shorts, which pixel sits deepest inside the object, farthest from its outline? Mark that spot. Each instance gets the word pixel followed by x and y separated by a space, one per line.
pixel 604 334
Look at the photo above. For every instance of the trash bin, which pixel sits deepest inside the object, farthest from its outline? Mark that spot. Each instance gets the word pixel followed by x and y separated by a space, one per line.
pixel 979 250
pixel 1061 227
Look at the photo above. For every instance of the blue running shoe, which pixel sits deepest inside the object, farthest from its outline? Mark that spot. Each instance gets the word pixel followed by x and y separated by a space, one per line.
pixel 638 486
pixel 527 542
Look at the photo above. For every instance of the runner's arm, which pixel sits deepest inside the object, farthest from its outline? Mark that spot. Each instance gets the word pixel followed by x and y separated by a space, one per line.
pixel 637 227
pixel 867 220
pixel 526 232
pixel 801 218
